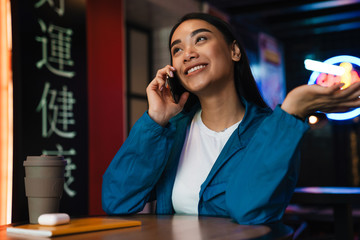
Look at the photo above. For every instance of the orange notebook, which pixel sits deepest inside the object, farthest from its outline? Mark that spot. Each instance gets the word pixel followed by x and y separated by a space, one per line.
pixel 79 225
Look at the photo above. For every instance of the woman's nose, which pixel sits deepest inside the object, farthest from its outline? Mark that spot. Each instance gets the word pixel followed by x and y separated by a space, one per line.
pixel 190 54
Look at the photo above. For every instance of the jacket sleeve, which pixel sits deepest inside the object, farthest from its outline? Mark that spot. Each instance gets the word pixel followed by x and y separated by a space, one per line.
pixel 269 171
pixel 137 166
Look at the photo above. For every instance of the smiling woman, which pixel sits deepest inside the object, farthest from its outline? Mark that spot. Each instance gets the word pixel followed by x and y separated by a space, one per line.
pixel 241 65
pixel 5 114
pixel 209 145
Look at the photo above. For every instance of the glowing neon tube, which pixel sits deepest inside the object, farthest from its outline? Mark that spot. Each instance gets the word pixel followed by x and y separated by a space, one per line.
pixel 317 66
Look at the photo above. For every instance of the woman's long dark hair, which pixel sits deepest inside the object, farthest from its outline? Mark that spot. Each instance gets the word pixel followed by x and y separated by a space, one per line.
pixel 244 80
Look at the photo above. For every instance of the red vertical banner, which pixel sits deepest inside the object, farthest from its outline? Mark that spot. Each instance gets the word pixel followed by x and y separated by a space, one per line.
pixel 105 36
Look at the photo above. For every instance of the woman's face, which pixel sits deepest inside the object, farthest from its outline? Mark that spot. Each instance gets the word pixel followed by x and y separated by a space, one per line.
pixel 202 58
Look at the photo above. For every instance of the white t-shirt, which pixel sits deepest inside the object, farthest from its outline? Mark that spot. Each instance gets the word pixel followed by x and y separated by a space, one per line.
pixel 201 148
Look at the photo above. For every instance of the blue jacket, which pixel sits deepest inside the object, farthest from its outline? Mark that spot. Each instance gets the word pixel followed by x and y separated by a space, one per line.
pixel 252 180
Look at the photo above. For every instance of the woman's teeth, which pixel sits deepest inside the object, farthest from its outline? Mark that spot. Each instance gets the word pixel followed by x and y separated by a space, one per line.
pixel 195 68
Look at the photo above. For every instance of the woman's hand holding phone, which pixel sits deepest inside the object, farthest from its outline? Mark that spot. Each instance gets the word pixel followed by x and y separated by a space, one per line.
pixel 162 106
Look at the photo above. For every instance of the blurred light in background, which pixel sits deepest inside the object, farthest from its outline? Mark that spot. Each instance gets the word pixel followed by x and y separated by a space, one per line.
pixel 318 120
pixel 313 119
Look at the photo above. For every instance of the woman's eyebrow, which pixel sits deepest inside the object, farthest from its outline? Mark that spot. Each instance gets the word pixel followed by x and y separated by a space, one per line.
pixel 175 42
pixel 197 31
pixel 200 30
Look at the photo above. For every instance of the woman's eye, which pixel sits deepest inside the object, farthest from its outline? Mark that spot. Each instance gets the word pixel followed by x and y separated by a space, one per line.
pixel 176 50
pixel 199 39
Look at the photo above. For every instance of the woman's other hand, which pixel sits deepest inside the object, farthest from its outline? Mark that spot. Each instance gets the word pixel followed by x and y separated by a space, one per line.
pixel 307 99
pixel 162 106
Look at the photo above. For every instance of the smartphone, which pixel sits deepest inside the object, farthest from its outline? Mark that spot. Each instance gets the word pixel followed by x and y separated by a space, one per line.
pixel 177 90
pixel 175 87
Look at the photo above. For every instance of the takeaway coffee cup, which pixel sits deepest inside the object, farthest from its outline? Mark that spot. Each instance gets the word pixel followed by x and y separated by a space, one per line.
pixel 44 184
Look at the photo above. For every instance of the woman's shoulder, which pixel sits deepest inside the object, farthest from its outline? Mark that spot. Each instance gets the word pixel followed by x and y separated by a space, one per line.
pixel 256 111
pixel 256 115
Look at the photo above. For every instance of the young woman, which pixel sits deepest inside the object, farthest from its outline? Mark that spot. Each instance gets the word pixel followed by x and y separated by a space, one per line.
pixel 216 149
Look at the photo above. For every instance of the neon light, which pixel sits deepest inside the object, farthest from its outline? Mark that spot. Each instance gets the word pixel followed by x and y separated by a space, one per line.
pixel 336 60
pixel 328 190
pixel 323 67
pixel 5 114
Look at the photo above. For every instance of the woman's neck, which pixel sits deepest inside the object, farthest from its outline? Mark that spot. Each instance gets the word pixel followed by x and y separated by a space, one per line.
pixel 221 111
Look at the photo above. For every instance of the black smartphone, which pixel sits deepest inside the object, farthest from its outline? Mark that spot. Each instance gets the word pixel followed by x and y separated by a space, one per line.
pixel 175 87
pixel 177 90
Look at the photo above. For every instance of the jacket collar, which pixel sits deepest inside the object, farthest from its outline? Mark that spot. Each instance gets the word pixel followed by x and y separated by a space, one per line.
pixel 239 139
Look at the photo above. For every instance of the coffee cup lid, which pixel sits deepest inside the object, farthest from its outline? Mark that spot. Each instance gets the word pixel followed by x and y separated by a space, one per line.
pixel 44 160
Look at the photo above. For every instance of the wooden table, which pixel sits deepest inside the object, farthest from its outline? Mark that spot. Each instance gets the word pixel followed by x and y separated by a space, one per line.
pixel 340 198
pixel 180 227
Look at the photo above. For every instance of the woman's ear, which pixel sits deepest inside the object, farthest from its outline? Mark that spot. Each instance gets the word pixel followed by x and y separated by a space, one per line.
pixel 235 51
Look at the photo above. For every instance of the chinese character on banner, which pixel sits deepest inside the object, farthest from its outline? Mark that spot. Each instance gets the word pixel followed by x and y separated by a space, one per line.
pixel 58 8
pixel 57 112
pixel 56 49
pixel 70 166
